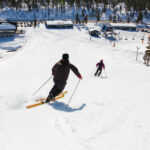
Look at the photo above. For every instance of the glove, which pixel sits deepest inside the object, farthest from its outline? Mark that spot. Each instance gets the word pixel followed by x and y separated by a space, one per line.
pixel 80 77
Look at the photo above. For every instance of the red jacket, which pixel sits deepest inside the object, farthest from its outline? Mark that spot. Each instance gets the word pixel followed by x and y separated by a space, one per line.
pixel 100 64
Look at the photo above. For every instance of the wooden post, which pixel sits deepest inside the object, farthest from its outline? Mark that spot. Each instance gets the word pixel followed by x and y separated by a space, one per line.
pixel 137 53
pixel 143 38
pixel 147 61
pixel 114 44
pixel 126 38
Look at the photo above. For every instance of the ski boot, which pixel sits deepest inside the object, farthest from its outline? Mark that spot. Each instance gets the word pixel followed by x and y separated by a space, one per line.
pixel 49 98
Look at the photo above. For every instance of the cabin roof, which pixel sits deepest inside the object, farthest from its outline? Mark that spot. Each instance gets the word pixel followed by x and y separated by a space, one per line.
pixel 94 29
pixel 7 26
pixel 130 25
pixel 59 22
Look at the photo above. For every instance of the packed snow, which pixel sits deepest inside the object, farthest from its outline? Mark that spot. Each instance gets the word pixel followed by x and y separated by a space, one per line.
pixel 110 112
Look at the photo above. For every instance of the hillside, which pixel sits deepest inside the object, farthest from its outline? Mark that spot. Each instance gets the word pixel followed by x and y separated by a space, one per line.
pixel 109 112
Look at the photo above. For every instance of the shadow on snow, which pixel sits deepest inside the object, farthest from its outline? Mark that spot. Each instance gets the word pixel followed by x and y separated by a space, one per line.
pixel 10 39
pixel 64 107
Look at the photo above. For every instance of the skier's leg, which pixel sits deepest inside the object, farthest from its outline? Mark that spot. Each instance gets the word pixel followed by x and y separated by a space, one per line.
pixel 96 72
pixel 57 88
pixel 51 93
pixel 60 87
pixel 100 71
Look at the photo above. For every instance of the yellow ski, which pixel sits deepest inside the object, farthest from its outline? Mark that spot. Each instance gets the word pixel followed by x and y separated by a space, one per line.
pixel 41 103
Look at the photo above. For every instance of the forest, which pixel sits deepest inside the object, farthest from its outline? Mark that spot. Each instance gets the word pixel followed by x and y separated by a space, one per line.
pixel 137 5
pixel 85 8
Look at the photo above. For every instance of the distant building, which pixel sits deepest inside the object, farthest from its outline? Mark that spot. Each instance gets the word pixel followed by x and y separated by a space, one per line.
pixel 59 24
pixel 124 26
pixel 146 22
pixel 94 32
pixel 7 29
pixel 148 26
pixel 107 30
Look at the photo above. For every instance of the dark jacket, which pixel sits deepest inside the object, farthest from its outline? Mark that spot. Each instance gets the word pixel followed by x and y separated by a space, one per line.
pixel 62 68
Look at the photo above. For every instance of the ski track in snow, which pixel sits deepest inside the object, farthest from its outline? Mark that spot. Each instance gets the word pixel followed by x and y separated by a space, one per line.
pixel 105 113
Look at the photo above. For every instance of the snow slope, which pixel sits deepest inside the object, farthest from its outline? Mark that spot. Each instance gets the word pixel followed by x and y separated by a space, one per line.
pixel 109 113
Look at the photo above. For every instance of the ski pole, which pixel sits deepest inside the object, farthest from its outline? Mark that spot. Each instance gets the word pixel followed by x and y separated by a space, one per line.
pixel 105 74
pixel 73 92
pixel 94 70
pixel 41 86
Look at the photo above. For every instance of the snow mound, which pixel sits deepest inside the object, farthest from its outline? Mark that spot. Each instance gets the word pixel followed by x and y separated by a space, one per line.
pixel 13 101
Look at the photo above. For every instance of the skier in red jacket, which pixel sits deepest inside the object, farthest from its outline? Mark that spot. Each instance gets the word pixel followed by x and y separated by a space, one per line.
pixel 100 65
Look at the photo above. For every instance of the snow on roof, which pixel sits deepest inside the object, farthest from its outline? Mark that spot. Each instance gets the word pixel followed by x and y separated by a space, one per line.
pixel 123 25
pixel 146 21
pixel 91 27
pixel 94 29
pixel 7 26
pixel 148 26
pixel 107 25
pixel 141 25
pixel 59 22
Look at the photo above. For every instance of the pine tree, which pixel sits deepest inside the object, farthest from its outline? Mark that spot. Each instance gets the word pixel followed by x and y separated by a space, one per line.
pixel 77 18
pixel 147 53
pixel 98 16
pixel 128 19
pixel 114 18
pixel 85 20
pixel 110 18
pixel 140 17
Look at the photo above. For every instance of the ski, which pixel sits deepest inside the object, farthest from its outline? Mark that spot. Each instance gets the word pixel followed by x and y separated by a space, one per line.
pixel 42 99
pixel 41 103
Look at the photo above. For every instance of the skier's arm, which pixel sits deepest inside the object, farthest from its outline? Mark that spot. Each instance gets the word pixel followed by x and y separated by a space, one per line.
pixel 75 70
pixel 54 68
pixel 103 66
pixel 97 64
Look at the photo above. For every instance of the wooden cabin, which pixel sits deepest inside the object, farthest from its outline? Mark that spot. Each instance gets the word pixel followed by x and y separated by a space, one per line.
pixel 124 26
pixel 94 32
pixel 107 30
pixel 7 29
pixel 59 24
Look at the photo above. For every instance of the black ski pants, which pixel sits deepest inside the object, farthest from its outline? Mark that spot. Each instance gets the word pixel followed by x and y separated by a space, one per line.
pixel 57 88
pixel 98 71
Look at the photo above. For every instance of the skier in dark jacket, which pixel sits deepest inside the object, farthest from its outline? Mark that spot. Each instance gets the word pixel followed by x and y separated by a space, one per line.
pixel 60 71
pixel 100 65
